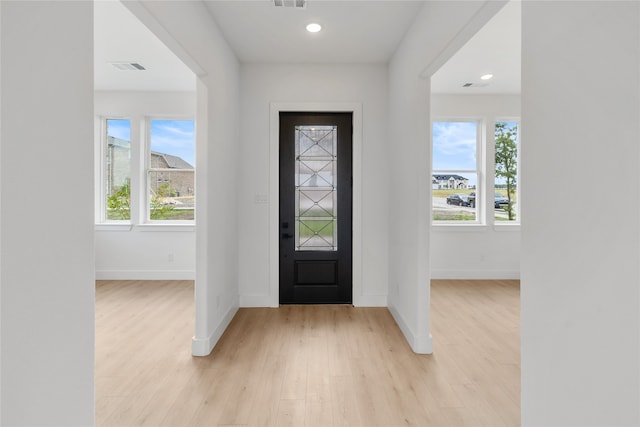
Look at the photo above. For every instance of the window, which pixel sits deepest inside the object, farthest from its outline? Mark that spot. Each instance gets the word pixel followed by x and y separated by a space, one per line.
pixel 117 171
pixel 151 183
pixel 454 179
pixel 170 171
pixel 506 172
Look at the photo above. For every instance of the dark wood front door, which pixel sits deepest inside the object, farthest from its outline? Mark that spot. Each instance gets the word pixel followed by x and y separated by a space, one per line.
pixel 315 208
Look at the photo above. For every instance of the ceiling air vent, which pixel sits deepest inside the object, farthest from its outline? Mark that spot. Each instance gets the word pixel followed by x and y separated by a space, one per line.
pixel 128 66
pixel 298 4
pixel 475 85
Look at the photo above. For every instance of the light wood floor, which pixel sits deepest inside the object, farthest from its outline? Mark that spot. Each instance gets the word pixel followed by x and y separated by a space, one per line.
pixel 307 365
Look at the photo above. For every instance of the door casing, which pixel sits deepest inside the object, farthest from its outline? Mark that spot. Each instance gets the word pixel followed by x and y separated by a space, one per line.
pixel 274 190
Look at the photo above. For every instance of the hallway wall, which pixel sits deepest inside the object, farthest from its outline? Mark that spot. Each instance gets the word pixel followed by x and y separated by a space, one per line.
pixel 580 270
pixel 263 84
pixel 188 30
pixel 437 32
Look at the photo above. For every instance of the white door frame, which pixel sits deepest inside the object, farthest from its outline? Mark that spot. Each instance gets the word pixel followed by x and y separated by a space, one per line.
pixel 274 190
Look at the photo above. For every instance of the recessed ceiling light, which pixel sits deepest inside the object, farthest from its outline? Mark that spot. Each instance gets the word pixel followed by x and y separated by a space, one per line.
pixel 314 28
pixel 487 77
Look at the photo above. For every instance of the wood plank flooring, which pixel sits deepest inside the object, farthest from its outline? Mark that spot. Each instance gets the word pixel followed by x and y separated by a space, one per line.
pixel 307 365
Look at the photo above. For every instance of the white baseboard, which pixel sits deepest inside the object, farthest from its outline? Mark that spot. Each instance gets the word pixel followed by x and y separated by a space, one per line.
pixel 145 275
pixel 419 344
pixel 204 346
pixel 266 301
pixel 475 274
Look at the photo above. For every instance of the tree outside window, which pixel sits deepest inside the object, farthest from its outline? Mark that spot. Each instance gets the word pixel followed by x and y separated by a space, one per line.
pixel 506 173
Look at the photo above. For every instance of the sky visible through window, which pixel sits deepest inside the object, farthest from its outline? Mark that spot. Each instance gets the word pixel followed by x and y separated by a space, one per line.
pixel 120 129
pixel 175 137
pixel 454 147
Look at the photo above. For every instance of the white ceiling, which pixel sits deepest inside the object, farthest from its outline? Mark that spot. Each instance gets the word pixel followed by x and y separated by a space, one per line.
pixel 120 37
pixel 353 32
pixel 495 49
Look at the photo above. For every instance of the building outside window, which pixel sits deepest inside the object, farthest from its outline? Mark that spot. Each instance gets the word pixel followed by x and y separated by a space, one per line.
pixel 455 171
pixel 170 173
pixel 164 189
pixel 117 171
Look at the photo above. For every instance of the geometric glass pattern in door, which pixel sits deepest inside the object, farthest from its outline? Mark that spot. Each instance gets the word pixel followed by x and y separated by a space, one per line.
pixel 315 188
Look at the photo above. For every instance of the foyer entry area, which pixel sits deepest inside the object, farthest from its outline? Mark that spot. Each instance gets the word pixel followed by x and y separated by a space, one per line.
pixel 307 365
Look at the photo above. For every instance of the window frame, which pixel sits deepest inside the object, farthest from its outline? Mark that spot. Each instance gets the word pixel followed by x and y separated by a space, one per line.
pixel 101 173
pixel 146 171
pixel 480 171
pixel 138 175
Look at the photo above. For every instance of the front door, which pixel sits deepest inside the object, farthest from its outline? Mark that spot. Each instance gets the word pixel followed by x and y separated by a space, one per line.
pixel 315 208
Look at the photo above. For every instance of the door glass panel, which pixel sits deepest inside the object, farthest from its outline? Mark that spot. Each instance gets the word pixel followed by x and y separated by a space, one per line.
pixel 316 193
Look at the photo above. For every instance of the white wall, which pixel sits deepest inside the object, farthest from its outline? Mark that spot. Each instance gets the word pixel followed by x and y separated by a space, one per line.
pixel 144 252
pixel 438 30
pixel 265 84
pixel 1 220
pixel 490 251
pixel 188 30
pixel 580 270
pixel 47 214
pixel 145 255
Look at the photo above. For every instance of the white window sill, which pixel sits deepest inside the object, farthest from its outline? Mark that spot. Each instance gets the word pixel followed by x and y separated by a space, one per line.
pixel 450 226
pixel 145 227
pixel 465 228
pixel 165 227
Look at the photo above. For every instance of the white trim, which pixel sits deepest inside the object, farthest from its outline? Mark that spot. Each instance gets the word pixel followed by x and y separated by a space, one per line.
pixel 274 164
pixel 265 301
pixel 204 346
pixel 145 275
pixel 419 344
pixel 475 274
pixel 448 226
pixel 166 226
pixel 201 288
pixel 99 155
pixel 114 226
